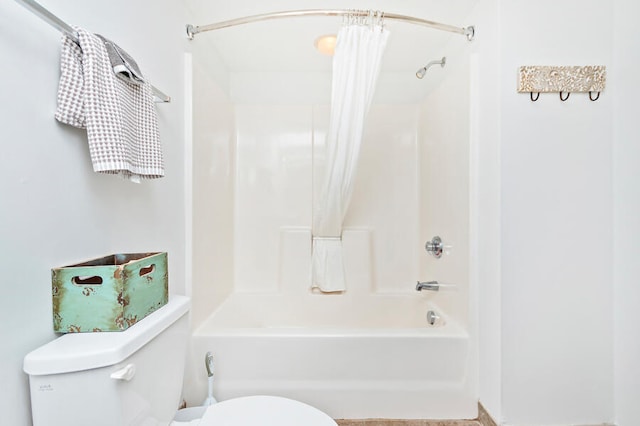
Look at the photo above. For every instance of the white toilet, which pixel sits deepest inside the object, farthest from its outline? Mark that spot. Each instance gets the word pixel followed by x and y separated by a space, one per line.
pixel 135 377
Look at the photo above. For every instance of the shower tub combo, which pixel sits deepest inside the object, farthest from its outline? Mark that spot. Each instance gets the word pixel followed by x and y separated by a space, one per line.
pixel 371 351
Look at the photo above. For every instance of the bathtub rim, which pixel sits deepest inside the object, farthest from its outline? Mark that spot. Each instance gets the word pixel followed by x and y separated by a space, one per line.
pixel 448 328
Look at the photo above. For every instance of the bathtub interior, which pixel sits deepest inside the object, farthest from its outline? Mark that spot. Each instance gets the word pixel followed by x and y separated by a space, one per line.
pixel 258 137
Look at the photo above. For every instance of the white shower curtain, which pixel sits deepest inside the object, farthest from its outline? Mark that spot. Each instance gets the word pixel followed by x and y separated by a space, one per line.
pixel 356 64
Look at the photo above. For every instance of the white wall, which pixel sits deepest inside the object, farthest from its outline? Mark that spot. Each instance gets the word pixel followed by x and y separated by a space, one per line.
pixel 547 355
pixel 556 200
pixel 486 213
pixel 55 210
pixel 626 248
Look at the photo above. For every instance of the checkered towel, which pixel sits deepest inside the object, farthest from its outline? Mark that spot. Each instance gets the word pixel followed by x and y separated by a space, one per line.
pixel 120 117
pixel 122 63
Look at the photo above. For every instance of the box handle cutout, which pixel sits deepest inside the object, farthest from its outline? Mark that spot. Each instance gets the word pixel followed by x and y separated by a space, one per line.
pixel 146 270
pixel 87 280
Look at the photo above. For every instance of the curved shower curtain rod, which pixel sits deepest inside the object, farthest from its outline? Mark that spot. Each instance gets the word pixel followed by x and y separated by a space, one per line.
pixel 193 30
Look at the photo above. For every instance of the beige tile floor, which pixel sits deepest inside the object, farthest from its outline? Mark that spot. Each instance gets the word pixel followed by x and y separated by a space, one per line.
pixel 387 422
pixel 483 420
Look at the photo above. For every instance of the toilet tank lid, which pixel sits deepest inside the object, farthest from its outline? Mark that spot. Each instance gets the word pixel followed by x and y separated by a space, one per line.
pixel 84 351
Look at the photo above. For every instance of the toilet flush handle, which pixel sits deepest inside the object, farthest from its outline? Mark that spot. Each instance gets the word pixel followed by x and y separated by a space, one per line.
pixel 126 373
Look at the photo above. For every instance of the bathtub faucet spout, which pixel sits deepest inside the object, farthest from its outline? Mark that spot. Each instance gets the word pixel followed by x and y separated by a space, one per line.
pixel 429 285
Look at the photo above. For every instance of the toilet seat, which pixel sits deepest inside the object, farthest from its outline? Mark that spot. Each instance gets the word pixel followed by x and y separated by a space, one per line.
pixel 264 411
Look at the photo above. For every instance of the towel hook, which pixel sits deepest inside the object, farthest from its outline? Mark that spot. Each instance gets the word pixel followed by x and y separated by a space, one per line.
pixel 565 98
pixel 531 95
pixel 592 98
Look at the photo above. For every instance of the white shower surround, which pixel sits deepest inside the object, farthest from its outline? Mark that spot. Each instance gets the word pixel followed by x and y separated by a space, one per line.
pixel 252 304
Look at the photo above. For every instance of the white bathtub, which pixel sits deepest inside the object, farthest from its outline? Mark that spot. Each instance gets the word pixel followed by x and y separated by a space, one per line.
pixel 375 357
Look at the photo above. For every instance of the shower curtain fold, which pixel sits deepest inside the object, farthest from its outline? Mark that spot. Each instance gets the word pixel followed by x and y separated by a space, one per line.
pixel 356 65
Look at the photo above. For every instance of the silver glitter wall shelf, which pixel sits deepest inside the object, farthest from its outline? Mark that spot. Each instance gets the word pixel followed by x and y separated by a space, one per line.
pixel 565 80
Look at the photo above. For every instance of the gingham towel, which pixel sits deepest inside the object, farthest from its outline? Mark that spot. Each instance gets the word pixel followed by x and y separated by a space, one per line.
pixel 122 63
pixel 120 117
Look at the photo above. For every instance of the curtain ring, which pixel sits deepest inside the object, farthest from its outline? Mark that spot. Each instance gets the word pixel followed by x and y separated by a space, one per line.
pixel 592 98
pixel 531 96
pixel 565 98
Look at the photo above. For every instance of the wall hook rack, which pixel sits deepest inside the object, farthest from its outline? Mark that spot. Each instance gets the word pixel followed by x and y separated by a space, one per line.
pixel 535 79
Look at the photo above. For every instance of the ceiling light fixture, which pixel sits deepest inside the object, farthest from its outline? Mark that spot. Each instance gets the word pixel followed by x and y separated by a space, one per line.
pixel 326 44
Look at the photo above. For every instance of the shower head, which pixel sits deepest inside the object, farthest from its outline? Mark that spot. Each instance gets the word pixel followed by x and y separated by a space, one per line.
pixel 422 71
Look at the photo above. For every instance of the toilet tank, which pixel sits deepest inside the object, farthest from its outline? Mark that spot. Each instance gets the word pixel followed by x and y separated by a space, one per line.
pixel 133 377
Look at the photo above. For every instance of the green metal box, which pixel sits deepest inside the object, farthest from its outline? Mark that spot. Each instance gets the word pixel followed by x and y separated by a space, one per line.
pixel 110 293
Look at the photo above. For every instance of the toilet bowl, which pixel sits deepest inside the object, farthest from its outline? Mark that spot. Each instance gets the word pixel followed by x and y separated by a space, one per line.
pixel 261 410
pixel 134 377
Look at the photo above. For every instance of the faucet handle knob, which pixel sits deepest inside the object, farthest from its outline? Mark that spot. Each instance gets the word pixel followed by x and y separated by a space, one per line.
pixel 436 247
